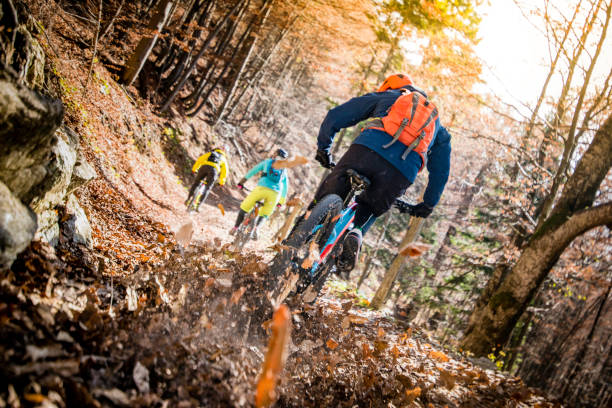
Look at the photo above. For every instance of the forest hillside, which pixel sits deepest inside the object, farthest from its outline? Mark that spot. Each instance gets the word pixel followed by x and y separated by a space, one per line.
pixel 117 290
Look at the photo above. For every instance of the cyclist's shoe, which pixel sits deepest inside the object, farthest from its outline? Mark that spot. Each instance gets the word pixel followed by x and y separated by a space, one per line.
pixel 233 231
pixel 350 251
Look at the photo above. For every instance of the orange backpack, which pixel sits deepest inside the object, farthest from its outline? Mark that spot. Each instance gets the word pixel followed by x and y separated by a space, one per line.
pixel 412 121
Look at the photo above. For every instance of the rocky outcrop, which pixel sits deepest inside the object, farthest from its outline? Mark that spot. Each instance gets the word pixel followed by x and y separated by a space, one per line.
pixel 27 124
pixel 66 171
pixel 40 166
pixel 17 226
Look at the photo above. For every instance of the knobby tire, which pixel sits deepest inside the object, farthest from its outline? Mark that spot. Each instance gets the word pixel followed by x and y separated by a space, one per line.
pixel 284 269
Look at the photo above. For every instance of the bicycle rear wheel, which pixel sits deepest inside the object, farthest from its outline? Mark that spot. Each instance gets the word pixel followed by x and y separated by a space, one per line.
pixel 244 232
pixel 287 266
pixel 200 196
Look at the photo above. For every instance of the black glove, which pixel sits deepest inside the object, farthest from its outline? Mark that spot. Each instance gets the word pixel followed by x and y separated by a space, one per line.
pixel 421 210
pixel 325 158
pixel 403 206
pixel 240 184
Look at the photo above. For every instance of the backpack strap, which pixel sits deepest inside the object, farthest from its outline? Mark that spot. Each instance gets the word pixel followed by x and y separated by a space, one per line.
pixel 415 103
pixel 399 131
pixel 420 137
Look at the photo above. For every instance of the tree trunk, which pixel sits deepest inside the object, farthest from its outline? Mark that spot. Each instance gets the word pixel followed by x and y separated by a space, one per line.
pixel 194 62
pixel 260 70
pixel 237 77
pixel 146 44
pixel 227 66
pixel 497 312
pixel 383 290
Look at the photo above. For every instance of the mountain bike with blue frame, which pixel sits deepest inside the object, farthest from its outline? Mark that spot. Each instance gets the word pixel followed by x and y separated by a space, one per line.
pixel 312 247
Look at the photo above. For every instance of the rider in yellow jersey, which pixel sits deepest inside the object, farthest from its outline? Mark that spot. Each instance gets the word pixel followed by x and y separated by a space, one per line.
pixel 209 167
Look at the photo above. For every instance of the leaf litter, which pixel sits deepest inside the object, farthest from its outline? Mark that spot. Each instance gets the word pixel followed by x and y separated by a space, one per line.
pixel 183 330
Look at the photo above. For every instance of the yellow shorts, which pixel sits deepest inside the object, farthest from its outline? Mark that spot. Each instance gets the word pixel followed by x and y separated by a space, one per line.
pixel 268 196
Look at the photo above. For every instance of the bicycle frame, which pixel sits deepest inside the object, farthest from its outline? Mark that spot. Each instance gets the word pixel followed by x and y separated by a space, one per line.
pixel 344 222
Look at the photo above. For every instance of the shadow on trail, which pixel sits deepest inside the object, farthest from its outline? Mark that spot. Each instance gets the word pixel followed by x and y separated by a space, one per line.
pixel 226 197
pixel 154 201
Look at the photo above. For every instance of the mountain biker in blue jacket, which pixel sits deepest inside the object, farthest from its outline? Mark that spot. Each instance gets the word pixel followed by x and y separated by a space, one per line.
pixel 389 173
pixel 271 189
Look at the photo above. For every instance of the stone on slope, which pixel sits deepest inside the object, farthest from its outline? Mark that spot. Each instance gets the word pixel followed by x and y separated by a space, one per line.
pixel 17 226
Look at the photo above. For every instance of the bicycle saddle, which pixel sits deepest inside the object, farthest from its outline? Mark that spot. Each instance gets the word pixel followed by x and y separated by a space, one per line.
pixel 358 179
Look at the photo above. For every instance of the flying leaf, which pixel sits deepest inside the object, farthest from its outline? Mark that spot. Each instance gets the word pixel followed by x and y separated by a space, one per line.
pixel 237 295
pixel 273 364
pixel 414 249
pixel 221 208
pixel 132 299
pixel 278 247
pixel 184 234
pixel 413 394
pixel 140 374
pixel 287 164
pixel 313 255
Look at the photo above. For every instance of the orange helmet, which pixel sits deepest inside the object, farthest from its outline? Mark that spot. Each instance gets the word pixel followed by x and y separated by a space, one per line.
pixel 395 82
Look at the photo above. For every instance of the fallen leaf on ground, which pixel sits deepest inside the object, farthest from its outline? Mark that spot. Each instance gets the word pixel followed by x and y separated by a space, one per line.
pixel 447 379
pixel 35 398
pixel 221 208
pixel 355 319
pixel 331 344
pixel 438 355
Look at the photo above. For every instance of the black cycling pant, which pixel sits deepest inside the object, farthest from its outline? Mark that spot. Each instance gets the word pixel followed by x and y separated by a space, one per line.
pixel 205 172
pixel 387 183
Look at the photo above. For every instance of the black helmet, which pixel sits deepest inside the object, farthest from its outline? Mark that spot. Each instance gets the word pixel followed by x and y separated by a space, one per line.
pixel 282 153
